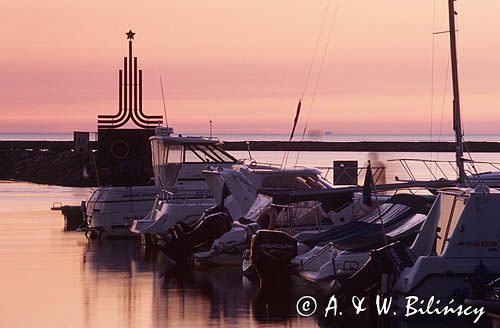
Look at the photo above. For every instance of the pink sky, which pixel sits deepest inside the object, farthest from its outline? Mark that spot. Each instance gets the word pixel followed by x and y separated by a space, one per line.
pixel 243 64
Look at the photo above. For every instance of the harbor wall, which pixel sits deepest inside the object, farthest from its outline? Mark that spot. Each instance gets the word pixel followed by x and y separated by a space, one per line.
pixel 364 146
pixel 56 163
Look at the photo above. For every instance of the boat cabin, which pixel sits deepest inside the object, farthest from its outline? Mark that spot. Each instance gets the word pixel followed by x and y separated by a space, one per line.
pixel 462 223
pixel 178 161
pixel 269 176
pixel 460 235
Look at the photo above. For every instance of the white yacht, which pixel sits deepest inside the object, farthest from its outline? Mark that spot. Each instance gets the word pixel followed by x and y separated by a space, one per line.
pixel 237 190
pixel 178 162
pixel 458 241
pixel 460 238
pixel 111 210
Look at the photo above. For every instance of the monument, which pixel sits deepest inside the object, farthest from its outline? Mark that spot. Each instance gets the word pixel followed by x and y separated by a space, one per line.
pixel 125 153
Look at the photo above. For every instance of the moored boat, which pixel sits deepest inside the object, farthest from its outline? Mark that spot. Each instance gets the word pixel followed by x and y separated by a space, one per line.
pixel 178 162
pixel 110 211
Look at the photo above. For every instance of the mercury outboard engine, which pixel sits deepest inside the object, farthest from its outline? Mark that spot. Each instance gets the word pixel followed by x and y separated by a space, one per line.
pixel 271 253
pixel 183 239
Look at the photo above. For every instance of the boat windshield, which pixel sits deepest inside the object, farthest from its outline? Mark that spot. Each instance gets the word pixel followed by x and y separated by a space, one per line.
pixel 168 157
pixel 165 152
pixel 205 153
pixel 452 206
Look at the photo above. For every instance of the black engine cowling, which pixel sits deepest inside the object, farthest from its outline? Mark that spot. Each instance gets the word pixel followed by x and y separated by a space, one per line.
pixel 182 227
pixel 271 253
pixel 183 239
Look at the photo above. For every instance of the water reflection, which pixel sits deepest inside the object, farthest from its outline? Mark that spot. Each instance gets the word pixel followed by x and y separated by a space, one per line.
pixel 120 255
pixel 179 295
pixel 61 279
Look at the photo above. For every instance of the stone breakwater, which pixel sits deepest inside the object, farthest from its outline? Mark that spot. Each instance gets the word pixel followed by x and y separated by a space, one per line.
pixel 69 168
pixel 64 168
pixel 56 163
pixel 362 146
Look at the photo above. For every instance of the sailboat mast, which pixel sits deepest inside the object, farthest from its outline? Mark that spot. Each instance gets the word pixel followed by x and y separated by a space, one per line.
pixel 457 121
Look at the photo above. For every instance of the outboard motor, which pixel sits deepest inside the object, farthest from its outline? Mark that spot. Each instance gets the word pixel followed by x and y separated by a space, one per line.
pixel 182 227
pixel 183 239
pixel 271 253
pixel 484 294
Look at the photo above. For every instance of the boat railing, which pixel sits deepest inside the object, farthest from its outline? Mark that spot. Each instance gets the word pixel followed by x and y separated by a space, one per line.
pixel 339 175
pixel 442 169
pixel 253 164
pixel 336 175
pixel 184 194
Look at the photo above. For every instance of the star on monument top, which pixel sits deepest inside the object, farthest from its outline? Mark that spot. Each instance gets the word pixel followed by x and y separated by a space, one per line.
pixel 130 35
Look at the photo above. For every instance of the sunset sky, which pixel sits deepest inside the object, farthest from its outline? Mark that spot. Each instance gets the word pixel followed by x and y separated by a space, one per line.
pixel 243 64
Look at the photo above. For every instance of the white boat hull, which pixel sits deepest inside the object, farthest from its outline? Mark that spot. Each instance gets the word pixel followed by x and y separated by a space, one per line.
pixel 111 210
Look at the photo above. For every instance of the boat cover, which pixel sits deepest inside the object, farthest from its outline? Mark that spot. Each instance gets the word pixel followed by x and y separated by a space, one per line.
pixel 395 215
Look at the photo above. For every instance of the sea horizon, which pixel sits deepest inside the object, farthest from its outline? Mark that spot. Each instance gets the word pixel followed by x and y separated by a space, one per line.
pixel 331 137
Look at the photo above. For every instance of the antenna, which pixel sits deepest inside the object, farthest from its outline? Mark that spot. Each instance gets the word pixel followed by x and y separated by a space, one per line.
pixel 248 148
pixel 163 98
pixel 210 122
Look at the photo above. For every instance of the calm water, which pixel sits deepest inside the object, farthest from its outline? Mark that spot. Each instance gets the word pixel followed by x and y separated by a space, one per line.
pixel 53 278
pixel 49 277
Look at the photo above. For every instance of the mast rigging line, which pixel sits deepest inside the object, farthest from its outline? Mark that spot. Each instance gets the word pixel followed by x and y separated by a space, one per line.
pixel 325 52
pixel 444 100
pixel 316 48
pixel 313 59
pixel 163 99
